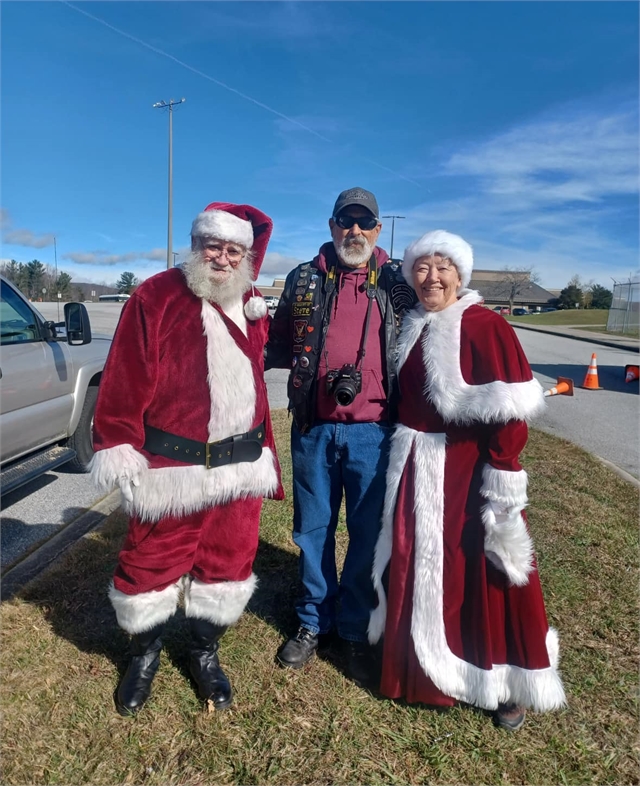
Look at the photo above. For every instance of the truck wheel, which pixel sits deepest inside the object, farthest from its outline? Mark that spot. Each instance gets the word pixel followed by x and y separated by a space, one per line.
pixel 82 439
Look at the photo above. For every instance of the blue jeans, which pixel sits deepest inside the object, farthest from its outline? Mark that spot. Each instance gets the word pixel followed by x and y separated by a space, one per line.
pixel 330 458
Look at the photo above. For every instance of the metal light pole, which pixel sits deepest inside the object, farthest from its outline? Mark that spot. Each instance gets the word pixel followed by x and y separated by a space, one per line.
pixel 393 225
pixel 169 106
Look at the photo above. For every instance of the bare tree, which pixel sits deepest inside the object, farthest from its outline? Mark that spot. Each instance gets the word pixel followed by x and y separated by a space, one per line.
pixel 516 282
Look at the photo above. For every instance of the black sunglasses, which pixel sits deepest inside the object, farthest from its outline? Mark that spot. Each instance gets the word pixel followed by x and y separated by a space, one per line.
pixel 364 222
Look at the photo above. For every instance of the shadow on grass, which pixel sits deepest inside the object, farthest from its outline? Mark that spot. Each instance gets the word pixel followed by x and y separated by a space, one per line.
pixel 73 598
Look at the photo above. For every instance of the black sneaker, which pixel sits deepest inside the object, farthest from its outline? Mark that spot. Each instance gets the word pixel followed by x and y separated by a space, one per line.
pixel 510 716
pixel 299 649
pixel 362 664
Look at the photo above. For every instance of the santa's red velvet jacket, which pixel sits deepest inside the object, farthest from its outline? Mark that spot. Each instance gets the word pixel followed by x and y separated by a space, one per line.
pixel 180 364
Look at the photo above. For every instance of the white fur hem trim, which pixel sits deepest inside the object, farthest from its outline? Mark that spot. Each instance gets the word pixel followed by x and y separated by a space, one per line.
pixel 507 488
pixel 179 491
pixel 456 400
pixel 401 443
pixel 224 226
pixel 539 689
pixel 507 544
pixel 110 464
pixel 221 603
pixel 141 612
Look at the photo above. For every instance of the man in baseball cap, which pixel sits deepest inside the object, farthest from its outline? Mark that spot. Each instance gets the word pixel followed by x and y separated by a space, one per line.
pixel 335 329
pixel 356 196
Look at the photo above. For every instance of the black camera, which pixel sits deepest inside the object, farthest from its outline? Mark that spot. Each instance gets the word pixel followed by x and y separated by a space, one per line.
pixel 344 383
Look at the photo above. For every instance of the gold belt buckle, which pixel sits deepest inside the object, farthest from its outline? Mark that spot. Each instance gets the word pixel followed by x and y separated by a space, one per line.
pixel 207 455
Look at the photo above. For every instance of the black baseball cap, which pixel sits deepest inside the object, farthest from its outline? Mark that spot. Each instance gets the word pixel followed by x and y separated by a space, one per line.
pixel 357 196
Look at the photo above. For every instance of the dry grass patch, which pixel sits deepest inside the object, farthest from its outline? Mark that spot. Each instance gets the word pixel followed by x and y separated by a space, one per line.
pixel 62 653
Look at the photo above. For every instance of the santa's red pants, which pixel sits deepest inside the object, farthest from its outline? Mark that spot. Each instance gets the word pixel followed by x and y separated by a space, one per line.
pixel 214 545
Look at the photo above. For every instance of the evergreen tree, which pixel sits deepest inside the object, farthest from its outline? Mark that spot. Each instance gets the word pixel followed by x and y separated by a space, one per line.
pixel 35 271
pixel 63 286
pixel 127 283
pixel 601 297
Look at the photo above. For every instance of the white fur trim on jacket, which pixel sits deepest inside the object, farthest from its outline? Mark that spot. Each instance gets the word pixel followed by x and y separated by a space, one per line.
pixel 121 461
pixel 221 603
pixel 401 443
pixel 179 491
pixel 540 689
pixel 444 243
pixel 507 542
pixel 224 226
pixel 508 489
pixel 456 400
pixel 141 612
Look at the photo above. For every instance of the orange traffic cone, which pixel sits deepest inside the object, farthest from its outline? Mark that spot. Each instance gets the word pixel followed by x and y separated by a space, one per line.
pixel 631 373
pixel 563 387
pixel 591 378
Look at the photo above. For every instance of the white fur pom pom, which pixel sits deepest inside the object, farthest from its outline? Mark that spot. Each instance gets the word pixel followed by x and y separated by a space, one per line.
pixel 255 308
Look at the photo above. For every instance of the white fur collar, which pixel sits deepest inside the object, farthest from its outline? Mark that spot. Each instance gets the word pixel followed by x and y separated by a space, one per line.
pixel 456 400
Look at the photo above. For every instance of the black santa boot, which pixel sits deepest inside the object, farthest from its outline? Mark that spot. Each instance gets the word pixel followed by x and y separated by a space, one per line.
pixel 135 686
pixel 204 665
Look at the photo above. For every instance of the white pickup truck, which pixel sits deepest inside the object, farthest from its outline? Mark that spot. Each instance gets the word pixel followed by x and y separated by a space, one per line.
pixel 48 388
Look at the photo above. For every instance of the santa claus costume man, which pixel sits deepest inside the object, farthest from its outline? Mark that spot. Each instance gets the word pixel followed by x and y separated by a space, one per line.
pixel 462 611
pixel 182 426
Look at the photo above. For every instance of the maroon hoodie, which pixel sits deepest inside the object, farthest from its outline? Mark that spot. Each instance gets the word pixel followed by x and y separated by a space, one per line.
pixel 344 335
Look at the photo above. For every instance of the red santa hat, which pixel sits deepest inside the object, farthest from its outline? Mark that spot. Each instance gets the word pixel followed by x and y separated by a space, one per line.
pixel 444 243
pixel 242 224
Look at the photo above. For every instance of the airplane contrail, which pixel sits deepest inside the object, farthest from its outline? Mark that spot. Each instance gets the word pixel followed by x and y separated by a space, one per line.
pixel 224 85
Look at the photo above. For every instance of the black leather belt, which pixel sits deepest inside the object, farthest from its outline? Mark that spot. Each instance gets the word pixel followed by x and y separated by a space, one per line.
pixel 233 450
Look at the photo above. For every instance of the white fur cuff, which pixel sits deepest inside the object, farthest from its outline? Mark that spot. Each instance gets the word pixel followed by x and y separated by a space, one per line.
pixel 221 603
pixel 139 613
pixel 507 543
pixel 508 489
pixel 121 461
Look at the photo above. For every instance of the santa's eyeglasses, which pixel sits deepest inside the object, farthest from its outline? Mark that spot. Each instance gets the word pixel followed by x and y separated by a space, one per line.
pixel 364 222
pixel 217 248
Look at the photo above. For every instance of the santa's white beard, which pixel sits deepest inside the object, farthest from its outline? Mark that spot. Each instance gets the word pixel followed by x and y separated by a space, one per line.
pixel 354 251
pixel 198 273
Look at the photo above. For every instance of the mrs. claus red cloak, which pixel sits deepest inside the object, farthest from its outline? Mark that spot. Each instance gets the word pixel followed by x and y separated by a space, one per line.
pixel 464 617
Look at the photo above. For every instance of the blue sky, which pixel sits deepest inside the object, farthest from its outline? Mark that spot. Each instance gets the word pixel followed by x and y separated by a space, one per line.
pixel 513 124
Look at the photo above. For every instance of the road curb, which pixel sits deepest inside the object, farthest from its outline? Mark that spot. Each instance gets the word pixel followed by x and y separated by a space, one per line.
pixel 45 555
pixel 628 347
pixel 620 472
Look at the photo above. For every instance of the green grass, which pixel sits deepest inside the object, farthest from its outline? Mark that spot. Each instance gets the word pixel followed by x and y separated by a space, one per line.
pixel 62 653
pixel 577 317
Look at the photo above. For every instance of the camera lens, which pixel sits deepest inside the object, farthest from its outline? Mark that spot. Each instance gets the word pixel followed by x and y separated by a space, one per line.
pixel 345 392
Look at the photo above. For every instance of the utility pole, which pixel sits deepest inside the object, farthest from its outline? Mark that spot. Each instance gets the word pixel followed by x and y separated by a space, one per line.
pixel 393 225
pixel 164 105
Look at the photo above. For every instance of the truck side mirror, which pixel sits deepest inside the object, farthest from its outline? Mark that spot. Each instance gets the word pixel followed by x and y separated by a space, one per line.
pixel 76 322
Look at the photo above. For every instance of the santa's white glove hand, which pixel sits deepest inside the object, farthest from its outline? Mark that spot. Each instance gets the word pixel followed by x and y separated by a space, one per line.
pixel 125 482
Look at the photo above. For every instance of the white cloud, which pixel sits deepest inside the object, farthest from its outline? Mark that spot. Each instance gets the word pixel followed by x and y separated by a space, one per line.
pixel 109 260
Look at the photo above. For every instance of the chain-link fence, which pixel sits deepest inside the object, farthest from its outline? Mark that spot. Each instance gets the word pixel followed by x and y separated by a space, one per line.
pixel 625 307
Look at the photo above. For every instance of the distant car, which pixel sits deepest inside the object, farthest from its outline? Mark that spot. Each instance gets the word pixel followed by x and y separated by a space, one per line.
pixel 520 312
pixel 502 309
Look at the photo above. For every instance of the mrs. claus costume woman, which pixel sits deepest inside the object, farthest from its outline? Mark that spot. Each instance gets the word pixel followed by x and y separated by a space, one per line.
pixel 463 617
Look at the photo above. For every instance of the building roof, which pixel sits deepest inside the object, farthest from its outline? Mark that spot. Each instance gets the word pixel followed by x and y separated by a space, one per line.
pixel 498 292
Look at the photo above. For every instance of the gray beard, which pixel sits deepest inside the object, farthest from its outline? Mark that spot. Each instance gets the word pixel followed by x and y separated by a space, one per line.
pixel 225 293
pixel 356 253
